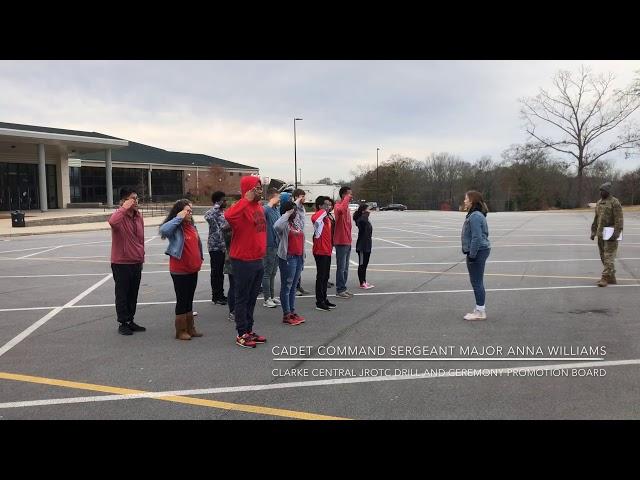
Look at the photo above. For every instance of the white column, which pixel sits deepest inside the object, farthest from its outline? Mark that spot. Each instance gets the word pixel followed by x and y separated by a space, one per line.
pixel 149 180
pixel 64 190
pixel 109 176
pixel 42 177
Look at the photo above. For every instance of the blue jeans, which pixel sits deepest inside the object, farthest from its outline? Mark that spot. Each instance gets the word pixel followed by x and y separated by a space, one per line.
pixel 476 274
pixel 290 270
pixel 270 262
pixel 343 253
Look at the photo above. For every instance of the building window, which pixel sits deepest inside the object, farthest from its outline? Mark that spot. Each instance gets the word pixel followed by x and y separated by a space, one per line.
pixel 239 174
pixel 166 185
pixel 231 174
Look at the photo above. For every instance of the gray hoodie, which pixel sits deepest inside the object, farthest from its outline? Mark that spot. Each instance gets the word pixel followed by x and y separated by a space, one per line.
pixel 282 228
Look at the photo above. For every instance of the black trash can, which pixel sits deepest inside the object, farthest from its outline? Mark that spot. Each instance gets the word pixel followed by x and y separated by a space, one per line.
pixel 17 219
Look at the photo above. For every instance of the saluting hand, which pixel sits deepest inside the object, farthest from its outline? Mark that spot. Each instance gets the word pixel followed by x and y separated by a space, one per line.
pixel 128 203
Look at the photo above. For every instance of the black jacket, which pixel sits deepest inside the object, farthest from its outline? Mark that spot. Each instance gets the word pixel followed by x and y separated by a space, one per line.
pixel 365 232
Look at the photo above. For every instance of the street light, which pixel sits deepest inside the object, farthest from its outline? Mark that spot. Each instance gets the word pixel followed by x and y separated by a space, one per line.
pixel 377 179
pixel 295 155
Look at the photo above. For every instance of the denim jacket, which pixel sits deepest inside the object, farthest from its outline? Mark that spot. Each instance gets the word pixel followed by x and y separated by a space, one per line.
pixel 173 231
pixel 475 234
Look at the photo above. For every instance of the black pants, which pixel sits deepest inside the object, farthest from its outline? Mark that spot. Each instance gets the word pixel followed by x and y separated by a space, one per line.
pixel 231 300
pixel 248 278
pixel 363 262
pixel 217 275
pixel 323 267
pixel 127 279
pixel 185 287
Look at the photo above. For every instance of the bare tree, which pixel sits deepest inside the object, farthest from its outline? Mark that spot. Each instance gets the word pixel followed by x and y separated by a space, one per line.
pixel 325 181
pixel 585 113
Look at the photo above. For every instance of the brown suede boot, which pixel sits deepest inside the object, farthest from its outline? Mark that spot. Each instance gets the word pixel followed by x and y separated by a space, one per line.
pixel 603 282
pixel 612 280
pixel 181 327
pixel 191 328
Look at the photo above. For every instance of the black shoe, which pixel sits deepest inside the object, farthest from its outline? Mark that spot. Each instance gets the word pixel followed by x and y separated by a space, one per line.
pixel 219 301
pixel 330 305
pixel 134 327
pixel 303 291
pixel 322 307
pixel 224 298
pixel 330 284
pixel 124 329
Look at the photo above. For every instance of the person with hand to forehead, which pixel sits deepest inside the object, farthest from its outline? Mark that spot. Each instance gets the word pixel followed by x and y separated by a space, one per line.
pixel 322 247
pixel 342 241
pixel 363 243
pixel 127 257
pixel 290 254
pixel 248 249
pixel 216 246
pixel 185 261
pixel 270 261
pixel 298 199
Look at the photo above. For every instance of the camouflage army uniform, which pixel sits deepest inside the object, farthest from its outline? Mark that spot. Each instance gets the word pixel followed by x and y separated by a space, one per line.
pixel 608 214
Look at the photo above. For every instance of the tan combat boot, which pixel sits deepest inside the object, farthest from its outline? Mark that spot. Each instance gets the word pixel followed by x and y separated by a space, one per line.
pixel 603 282
pixel 181 327
pixel 612 280
pixel 191 328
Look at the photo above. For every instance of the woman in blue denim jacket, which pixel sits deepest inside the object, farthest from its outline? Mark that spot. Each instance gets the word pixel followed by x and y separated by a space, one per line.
pixel 476 246
pixel 185 252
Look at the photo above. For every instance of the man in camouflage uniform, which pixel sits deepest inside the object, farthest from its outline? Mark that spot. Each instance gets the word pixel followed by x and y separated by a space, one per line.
pixel 608 214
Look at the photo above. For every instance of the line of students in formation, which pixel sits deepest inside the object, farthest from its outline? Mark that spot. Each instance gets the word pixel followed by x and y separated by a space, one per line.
pixel 250 242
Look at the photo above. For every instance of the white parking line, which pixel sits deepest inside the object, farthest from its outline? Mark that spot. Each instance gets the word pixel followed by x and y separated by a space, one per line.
pixel 36 253
pixel 320 383
pixel 20 337
pixel 415 292
pixel 411 231
pixel 395 243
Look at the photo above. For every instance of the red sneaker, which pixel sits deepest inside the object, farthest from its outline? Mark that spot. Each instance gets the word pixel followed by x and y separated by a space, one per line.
pixel 299 318
pixel 245 341
pixel 257 338
pixel 290 320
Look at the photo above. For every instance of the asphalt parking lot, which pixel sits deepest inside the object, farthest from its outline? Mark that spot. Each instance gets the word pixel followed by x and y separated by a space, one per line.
pixel 554 346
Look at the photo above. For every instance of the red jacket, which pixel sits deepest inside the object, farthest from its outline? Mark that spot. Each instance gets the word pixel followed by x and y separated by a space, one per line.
pixel 248 225
pixel 342 235
pixel 322 226
pixel 127 237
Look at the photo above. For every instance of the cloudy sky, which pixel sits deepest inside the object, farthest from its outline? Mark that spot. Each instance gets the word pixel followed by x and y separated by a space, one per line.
pixel 243 110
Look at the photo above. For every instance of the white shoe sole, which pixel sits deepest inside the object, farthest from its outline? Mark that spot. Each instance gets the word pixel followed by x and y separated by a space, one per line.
pixel 473 318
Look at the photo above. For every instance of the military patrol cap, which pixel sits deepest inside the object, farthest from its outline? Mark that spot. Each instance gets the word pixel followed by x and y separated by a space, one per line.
pixel 606 187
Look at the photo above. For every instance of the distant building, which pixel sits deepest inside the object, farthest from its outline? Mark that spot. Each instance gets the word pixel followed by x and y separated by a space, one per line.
pixel 43 167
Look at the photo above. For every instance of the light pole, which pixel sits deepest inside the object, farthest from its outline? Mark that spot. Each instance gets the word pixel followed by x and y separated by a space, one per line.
pixel 300 174
pixel 377 179
pixel 295 155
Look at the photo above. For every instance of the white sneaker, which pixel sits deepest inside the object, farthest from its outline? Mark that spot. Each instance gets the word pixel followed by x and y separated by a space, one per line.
pixel 476 315
pixel 276 301
pixel 269 303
